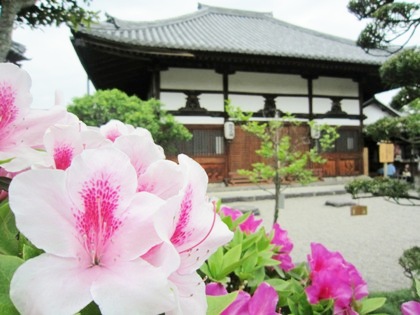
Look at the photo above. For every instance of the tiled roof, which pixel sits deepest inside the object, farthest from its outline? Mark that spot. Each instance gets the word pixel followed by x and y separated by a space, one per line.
pixel 214 29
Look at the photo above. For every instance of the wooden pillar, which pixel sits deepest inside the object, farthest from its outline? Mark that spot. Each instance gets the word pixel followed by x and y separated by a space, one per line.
pixel 310 99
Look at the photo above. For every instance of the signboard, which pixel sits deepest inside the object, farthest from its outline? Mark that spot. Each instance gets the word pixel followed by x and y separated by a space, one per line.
pixel 358 210
pixel 386 152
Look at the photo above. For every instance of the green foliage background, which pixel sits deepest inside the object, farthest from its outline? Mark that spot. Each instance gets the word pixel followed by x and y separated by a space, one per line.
pixel 104 105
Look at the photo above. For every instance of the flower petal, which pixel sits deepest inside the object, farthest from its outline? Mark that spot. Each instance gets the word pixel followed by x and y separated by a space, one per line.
pixel 264 300
pixel 191 294
pixel 410 308
pixel 141 150
pixel 63 142
pixel 239 306
pixel 155 179
pixel 215 289
pixel 107 165
pixel 50 285
pixel 192 259
pixel 137 234
pixel 133 287
pixel 41 207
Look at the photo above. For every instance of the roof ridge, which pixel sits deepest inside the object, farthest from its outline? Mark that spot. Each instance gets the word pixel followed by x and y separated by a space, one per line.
pixel 241 12
pixel 203 9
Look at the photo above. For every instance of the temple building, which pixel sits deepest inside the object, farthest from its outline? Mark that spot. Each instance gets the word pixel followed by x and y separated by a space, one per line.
pixel 196 62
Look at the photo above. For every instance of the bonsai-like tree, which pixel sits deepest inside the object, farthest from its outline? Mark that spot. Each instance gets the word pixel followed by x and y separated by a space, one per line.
pixel 392 21
pixel 104 105
pixel 284 156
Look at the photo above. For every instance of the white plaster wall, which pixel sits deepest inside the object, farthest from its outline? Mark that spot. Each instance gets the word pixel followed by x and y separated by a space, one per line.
pixel 293 104
pixel 335 87
pixel 373 114
pixel 247 103
pixel 351 107
pixel 321 105
pixel 199 120
pixel 267 83
pixel 340 122
pixel 191 79
pixel 175 100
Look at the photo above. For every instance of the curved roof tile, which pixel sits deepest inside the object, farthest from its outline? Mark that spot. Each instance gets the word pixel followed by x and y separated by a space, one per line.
pixel 233 31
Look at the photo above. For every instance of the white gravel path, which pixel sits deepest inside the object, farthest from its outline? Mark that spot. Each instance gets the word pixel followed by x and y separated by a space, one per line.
pixel 372 242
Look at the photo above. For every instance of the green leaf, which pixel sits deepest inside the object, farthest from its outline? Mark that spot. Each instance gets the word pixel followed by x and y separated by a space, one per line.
pixel 417 286
pixel 91 309
pixel 9 244
pixel 216 304
pixel 205 269
pixel 214 264
pixel 279 284
pixel 29 251
pixel 233 255
pixel 371 304
pixel 8 266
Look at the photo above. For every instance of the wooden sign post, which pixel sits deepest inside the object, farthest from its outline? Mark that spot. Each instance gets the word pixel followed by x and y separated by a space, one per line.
pixel 386 155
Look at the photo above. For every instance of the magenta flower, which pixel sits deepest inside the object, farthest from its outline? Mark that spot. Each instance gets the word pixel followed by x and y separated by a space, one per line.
pixel 215 289
pixel 410 308
pixel 250 225
pixel 231 212
pixel 332 277
pixel 93 227
pixel 281 239
pixel 263 302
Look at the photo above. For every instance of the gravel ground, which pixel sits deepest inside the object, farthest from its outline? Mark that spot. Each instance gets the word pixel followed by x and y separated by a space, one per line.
pixel 372 242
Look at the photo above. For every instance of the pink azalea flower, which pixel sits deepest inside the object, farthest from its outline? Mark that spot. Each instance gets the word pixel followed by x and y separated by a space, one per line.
pixel 21 129
pixel 228 211
pixel 410 308
pixel 194 231
pixel 328 284
pixel 153 171
pixel 67 139
pixel 15 100
pixel 115 128
pixel 332 277
pixel 281 239
pixel 263 302
pixel 215 289
pixel 250 225
pixel 63 143
pixel 93 227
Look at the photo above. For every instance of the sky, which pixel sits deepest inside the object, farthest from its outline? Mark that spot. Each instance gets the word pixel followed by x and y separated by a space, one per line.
pixel 55 68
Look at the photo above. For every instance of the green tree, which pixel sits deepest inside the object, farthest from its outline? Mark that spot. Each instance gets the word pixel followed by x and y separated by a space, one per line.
pixel 283 155
pixel 104 105
pixel 36 13
pixel 403 71
pixel 405 128
pixel 389 21
pixel 392 21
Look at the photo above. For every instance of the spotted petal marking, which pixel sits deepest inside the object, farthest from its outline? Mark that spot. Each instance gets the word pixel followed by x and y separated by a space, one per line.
pixel 63 155
pixel 183 230
pixel 97 223
pixel 8 109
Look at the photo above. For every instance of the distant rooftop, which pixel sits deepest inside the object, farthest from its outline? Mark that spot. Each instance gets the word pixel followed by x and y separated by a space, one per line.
pixel 214 29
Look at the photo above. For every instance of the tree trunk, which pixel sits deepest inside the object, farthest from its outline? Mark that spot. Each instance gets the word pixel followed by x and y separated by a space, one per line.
pixel 8 13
